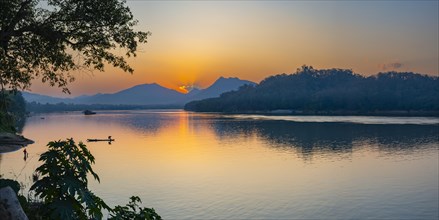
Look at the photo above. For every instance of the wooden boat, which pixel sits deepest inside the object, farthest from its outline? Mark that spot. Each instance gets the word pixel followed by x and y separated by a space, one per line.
pixel 96 140
pixel 88 112
pixel 109 139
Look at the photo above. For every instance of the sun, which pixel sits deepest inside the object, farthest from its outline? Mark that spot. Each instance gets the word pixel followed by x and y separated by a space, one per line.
pixel 184 88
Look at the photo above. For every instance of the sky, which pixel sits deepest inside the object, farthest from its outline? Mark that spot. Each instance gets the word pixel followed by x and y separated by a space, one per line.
pixel 195 42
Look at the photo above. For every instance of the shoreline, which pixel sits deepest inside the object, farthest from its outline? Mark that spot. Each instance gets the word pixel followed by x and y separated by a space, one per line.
pixel 393 113
pixel 10 142
pixel 334 113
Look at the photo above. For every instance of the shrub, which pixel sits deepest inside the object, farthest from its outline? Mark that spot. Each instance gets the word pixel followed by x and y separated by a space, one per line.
pixel 133 211
pixel 63 186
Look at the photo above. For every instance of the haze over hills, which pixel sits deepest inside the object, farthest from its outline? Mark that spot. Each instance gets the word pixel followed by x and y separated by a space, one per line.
pixel 146 94
pixel 220 86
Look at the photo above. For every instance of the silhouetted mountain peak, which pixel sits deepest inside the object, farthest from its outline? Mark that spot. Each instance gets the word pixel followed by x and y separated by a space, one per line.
pixel 229 82
pixel 146 85
pixel 148 94
pixel 220 86
pixel 225 79
pixel 146 88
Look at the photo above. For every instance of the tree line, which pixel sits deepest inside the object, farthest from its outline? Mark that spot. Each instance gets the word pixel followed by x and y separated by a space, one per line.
pixel 330 91
pixel 14 114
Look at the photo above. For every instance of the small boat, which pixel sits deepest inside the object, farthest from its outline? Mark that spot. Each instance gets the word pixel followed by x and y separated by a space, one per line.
pixel 96 140
pixel 88 112
pixel 109 139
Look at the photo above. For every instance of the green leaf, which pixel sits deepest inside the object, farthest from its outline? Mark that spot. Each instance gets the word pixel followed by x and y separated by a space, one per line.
pixel 63 185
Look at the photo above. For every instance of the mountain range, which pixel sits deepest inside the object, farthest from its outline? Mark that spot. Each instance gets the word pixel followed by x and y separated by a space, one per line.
pixel 146 94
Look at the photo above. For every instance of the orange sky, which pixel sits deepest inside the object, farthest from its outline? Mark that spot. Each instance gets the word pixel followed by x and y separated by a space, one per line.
pixel 195 42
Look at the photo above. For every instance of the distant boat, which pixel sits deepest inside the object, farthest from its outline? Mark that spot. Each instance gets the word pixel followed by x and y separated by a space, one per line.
pixel 96 140
pixel 88 112
pixel 109 139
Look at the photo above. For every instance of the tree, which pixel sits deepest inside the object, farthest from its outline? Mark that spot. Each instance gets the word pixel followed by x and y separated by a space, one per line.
pixel 64 185
pixel 13 115
pixel 133 211
pixel 48 39
pixel 332 91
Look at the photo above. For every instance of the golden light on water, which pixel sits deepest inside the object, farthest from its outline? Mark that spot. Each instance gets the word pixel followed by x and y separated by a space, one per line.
pixel 198 165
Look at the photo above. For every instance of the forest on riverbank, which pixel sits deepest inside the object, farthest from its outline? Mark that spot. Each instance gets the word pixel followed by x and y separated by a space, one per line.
pixel 14 115
pixel 331 91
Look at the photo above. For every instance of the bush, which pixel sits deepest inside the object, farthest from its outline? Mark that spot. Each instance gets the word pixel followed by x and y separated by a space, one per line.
pixel 61 184
pixel 64 185
pixel 133 211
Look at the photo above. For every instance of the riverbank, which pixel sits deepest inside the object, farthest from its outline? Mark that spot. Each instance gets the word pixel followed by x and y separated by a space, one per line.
pixel 11 142
pixel 398 113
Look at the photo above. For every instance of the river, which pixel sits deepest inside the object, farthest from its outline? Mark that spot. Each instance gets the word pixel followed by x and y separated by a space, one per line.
pixel 212 166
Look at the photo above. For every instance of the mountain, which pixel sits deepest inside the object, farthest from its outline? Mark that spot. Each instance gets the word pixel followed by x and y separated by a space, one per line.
pixel 146 94
pixel 33 97
pixel 193 92
pixel 220 86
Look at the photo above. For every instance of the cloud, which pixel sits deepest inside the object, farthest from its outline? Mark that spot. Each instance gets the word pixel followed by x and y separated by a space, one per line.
pixel 390 66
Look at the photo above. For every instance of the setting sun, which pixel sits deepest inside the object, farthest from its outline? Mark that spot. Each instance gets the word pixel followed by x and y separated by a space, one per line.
pixel 183 89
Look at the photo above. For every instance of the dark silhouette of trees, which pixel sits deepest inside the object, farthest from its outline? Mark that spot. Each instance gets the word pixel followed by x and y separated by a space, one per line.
pixel 12 119
pixel 65 35
pixel 330 91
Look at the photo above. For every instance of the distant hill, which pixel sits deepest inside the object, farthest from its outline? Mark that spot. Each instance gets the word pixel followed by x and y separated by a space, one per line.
pixel 33 97
pixel 220 86
pixel 145 94
pixel 330 91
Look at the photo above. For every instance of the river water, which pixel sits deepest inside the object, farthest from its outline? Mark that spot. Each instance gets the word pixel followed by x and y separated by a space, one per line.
pixel 212 166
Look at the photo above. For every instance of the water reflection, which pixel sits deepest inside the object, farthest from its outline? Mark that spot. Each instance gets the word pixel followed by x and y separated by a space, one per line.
pixel 306 139
pixel 309 138
pixel 198 166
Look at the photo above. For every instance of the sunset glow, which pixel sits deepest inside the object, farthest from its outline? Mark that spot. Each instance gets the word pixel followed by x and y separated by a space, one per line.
pixel 195 42
pixel 246 109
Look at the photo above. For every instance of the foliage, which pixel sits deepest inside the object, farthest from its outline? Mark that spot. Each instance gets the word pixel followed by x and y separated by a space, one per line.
pixel 12 183
pixel 16 104
pixel 132 211
pixel 61 183
pixel 12 112
pixel 63 186
pixel 6 122
pixel 48 39
pixel 330 90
